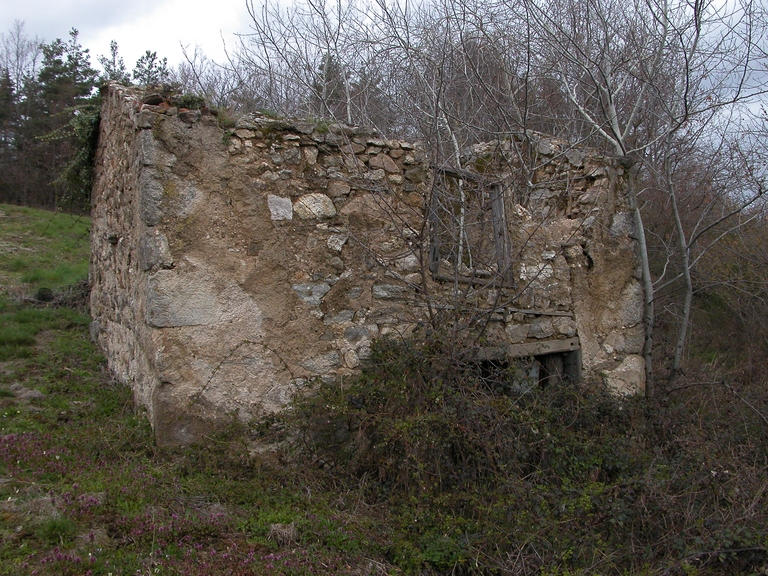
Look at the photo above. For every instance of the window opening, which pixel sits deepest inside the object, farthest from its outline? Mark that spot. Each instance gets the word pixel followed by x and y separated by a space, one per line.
pixel 517 368
pixel 469 237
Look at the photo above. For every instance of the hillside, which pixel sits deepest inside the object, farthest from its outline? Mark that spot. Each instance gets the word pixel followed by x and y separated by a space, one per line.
pixel 422 466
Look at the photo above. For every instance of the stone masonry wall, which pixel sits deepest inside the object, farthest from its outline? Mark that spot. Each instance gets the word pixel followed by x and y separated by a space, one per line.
pixel 229 267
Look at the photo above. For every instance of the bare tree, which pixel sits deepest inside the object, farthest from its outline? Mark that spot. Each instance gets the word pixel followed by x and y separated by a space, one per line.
pixel 307 52
pixel 222 85
pixel 20 54
pixel 649 81
pixel 641 73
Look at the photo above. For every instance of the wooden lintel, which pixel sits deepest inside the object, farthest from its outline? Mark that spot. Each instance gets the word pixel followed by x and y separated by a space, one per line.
pixel 476 281
pixel 527 349
pixel 504 310
pixel 537 312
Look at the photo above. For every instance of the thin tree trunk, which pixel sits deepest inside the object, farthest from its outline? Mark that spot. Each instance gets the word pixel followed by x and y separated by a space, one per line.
pixel 462 199
pixel 648 314
pixel 682 331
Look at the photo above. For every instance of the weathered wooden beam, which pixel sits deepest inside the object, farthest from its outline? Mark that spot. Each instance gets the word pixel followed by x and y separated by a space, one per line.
pixel 503 310
pixel 477 281
pixel 527 349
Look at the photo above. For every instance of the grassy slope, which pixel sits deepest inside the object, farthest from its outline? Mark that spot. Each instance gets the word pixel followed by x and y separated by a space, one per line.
pixel 41 249
pixel 429 475
pixel 82 489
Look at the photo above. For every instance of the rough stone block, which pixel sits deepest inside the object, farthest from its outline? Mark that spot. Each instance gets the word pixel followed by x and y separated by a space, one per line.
pixel 390 291
pixel 352 148
pixel 336 242
pixel 280 208
pixel 629 377
pixel 565 326
pixel 376 175
pixel 154 251
pixel 575 157
pixel 310 155
pixel 189 116
pixel 315 205
pixel 177 300
pixel 337 188
pixel 341 318
pixel 312 294
pixel 148 147
pixel 292 156
pixel 145 119
pixel 351 359
pixel 322 364
pixel 541 327
pixel 631 304
pixel 354 293
pixel 634 339
pixel 517 332
pixel 545 148
pixel 385 162
pixel 614 342
pixel 356 334
pixel 408 263
pixel 151 197
pixel 623 224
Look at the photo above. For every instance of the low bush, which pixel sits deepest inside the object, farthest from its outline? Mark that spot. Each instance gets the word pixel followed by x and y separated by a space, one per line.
pixel 426 464
pixel 567 479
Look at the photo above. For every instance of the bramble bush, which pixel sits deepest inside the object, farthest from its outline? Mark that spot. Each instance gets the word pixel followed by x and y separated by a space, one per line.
pixel 567 479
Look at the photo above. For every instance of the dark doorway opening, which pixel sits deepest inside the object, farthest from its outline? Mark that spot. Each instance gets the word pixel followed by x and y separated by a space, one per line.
pixel 560 368
pixel 519 375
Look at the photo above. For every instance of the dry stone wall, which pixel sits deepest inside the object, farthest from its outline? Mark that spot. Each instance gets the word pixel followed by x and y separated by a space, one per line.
pixel 229 267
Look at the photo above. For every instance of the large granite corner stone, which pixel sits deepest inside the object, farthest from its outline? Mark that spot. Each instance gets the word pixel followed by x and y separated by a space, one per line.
pixel 178 300
pixel 151 197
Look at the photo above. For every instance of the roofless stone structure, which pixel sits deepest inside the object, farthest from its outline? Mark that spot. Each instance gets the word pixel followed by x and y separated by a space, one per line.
pixel 229 267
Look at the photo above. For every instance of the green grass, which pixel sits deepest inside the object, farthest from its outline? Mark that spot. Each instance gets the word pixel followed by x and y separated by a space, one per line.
pixel 42 249
pixel 56 530
pixel 19 326
pixel 83 490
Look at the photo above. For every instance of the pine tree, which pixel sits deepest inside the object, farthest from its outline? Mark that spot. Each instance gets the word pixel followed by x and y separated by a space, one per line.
pixel 150 70
pixel 7 132
pixel 330 90
pixel 7 102
pixel 66 76
pixel 114 66
pixel 52 101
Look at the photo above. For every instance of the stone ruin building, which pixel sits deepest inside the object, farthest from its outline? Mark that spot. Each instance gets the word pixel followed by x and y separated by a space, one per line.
pixel 231 266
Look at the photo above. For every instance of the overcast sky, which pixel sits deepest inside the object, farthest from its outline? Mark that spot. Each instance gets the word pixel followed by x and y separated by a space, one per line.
pixel 136 25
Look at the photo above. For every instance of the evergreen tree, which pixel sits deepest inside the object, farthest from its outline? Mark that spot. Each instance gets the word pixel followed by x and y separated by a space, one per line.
pixel 150 70
pixel 66 76
pixel 52 101
pixel 7 106
pixel 7 131
pixel 114 66
pixel 329 98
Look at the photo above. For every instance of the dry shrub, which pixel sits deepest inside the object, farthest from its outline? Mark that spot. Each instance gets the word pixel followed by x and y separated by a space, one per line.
pixel 583 480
